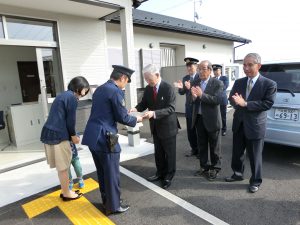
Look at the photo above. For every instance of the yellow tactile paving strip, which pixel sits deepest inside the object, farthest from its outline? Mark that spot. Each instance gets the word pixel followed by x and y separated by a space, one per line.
pixel 79 212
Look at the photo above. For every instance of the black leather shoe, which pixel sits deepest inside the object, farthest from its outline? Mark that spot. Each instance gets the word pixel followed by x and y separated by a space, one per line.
pixel 234 178
pixel 201 172
pixel 253 188
pixel 121 209
pixel 166 184
pixel 65 199
pixel 212 174
pixel 153 178
pixel 223 133
pixel 77 192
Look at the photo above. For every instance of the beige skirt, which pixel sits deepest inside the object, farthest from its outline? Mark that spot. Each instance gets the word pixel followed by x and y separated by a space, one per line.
pixel 59 156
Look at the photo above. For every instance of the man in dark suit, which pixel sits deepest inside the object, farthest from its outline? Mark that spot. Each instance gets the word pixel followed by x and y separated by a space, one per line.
pixel 207 119
pixel 159 98
pixel 184 87
pixel 223 98
pixel 251 97
pixel 109 108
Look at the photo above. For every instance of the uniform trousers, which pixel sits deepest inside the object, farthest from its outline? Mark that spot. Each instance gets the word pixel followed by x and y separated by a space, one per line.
pixel 192 135
pixel 108 172
pixel 223 110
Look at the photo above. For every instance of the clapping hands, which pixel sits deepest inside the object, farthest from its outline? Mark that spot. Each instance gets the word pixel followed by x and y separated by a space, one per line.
pixel 239 100
pixel 196 92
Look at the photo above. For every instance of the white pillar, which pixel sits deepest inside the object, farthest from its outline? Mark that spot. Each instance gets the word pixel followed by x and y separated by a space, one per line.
pixel 129 61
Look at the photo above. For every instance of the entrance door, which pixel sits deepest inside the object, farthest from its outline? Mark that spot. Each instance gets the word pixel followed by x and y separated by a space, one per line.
pixel 29 80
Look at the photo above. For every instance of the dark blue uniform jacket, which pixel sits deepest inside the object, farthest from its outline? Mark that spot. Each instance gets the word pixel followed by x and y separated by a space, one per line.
pixel 108 108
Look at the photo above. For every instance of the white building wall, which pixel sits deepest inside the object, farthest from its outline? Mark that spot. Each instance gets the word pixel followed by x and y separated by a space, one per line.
pixel 217 50
pixel 83 49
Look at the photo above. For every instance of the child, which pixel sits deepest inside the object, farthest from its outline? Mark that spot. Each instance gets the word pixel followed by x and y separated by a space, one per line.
pixel 77 167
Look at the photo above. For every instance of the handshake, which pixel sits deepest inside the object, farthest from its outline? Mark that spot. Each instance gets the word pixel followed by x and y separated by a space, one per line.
pixel 146 115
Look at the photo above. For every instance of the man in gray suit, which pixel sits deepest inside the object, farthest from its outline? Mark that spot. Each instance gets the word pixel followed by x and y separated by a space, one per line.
pixel 207 119
pixel 251 97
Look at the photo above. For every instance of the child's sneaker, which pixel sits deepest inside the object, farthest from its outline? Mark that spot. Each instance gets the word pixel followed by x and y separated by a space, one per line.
pixel 81 183
pixel 71 184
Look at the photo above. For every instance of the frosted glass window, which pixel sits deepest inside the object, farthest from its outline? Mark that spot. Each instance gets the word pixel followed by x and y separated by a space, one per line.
pixel 29 29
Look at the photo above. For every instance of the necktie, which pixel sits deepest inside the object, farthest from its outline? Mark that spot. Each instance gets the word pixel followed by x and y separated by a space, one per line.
pixel 249 87
pixel 202 86
pixel 191 79
pixel 154 93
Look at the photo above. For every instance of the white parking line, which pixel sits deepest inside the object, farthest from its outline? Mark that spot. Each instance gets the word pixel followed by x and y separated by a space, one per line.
pixel 180 202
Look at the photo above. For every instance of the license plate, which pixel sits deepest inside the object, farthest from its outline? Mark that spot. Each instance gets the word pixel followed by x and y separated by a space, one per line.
pixel 287 114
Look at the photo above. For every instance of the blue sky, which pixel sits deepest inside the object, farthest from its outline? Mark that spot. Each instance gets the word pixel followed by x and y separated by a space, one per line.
pixel 273 26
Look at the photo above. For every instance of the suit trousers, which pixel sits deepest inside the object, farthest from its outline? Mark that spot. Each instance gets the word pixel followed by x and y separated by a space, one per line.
pixel 254 149
pixel 165 156
pixel 192 135
pixel 223 110
pixel 108 172
pixel 205 139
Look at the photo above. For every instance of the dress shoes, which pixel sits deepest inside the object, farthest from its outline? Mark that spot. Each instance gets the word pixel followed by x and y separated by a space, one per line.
pixel 121 209
pixel 201 172
pixel 212 174
pixel 166 184
pixel 234 178
pixel 253 188
pixel 153 178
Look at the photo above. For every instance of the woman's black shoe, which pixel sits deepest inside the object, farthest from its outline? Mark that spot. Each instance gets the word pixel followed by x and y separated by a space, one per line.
pixel 79 195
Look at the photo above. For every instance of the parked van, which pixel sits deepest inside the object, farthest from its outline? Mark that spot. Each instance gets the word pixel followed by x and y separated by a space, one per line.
pixel 283 123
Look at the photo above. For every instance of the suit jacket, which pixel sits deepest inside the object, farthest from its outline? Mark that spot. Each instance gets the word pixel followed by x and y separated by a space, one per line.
pixel 210 105
pixel 188 95
pixel 165 124
pixel 108 108
pixel 254 116
pixel 223 96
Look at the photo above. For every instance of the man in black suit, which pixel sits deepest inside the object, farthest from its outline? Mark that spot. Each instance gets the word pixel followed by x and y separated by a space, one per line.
pixel 159 98
pixel 251 97
pixel 207 119
pixel 184 87
pixel 223 98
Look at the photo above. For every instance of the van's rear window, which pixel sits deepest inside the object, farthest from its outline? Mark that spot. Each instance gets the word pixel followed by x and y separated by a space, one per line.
pixel 287 76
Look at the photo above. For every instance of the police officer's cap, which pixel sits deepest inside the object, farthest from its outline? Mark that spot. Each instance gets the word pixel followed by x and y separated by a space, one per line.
pixel 216 66
pixel 189 61
pixel 124 70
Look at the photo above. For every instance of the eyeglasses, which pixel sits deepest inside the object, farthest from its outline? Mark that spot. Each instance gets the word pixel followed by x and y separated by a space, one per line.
pixel 203 69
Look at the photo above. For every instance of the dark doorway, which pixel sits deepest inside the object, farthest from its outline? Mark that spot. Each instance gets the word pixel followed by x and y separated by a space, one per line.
pixel 29 80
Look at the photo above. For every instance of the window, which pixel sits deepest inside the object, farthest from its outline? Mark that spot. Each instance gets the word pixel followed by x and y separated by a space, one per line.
pixel 29 29
pixel 1 28
pixel 287 76
pixel 168 56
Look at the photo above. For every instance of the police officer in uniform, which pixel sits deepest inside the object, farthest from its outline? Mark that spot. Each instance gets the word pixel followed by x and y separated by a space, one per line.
pixel 184 89
pixel 108 108
pixel 223 98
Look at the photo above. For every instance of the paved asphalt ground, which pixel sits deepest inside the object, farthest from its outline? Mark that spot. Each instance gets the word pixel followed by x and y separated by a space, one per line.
pixel 277 202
